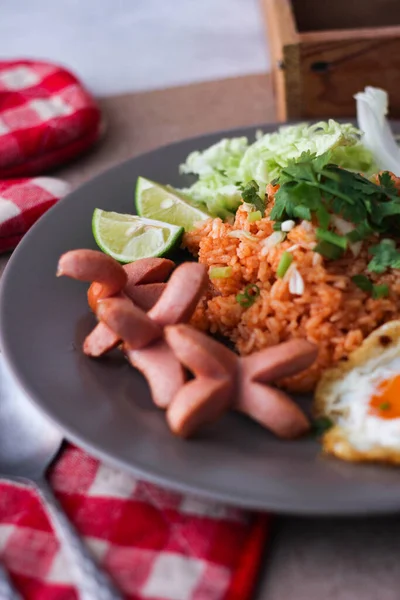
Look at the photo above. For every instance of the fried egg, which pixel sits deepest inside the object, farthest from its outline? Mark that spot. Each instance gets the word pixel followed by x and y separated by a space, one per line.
pixel 361 396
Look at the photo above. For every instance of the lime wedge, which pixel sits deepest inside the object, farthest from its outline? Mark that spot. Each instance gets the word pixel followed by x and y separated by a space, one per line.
pixel 156 201
pixel 128 237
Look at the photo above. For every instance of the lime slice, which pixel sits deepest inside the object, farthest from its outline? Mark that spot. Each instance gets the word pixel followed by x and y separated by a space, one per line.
pixel 156 201
pixel 128 237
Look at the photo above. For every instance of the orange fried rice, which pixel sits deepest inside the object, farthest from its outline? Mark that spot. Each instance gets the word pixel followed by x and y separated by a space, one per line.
pixel 330 311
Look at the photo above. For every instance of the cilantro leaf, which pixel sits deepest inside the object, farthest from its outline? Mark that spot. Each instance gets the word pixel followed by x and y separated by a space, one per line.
pixel 320 425
pixel 386 181
pixel 385 256
pixel 380 291
pixel 313 188
pixel 362 282
pixel 250 195
pixel 365 284
pixel 302 212
pixel 361 232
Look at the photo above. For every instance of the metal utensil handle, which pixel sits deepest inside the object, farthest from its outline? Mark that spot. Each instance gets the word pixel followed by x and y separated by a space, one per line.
pixel 7 591
pixel 91 582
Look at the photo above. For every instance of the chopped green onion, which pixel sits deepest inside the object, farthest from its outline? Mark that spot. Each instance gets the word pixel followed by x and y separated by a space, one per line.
pixel 362 282
pixel 284 264
pixel 277 226
pixel 320 425
pixel 328 250
pixel 251 293
pixel 243 300
pixel 252 290
pixel 254 216
pixel 385 406
pixel 220 272
pixel 380 291
pixel 333 238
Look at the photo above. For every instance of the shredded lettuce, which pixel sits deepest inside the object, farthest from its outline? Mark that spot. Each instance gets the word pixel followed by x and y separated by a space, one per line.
pixel 226 166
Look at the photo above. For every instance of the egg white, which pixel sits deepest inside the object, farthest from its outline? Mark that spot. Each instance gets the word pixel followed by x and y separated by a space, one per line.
pixel 351 411
pixel 344 394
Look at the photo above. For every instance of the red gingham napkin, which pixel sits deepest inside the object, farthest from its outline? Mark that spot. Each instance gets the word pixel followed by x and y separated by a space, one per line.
pixel 22 202
pixel 156 544
pixel 46 117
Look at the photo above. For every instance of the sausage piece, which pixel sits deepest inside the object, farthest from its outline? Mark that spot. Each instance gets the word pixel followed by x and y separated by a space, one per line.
pixel 128 322
pixel 273 409
pixel 206 398
pixel 146 296
pixel 283 360
pixel 198 403
pixel 163 371
pixel 101 340
pixel 147 270
pixel 203 355
pixel 150 271
pixel 185 288
pixel 92 265
pixel 224 380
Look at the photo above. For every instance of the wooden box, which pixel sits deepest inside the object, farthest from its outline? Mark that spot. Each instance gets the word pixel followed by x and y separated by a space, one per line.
pixel 324 51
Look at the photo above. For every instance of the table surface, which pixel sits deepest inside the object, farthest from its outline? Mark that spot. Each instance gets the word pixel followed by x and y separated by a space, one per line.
pixel 307 559
pixel 132 45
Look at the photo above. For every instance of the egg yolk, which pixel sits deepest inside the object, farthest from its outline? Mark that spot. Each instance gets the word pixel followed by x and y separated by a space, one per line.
pixel 385 404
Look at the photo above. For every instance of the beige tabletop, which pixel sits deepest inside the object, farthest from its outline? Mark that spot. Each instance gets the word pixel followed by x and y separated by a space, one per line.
pixel 307 559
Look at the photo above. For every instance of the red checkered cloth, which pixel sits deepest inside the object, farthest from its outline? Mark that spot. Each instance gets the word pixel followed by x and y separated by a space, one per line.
pixel 22 202
pixel 46 117
pixel 156 544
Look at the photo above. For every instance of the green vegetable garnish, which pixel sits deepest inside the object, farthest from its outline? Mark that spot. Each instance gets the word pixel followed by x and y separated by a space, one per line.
pixel 284 263
pixel 249 296
pixel 331 237
pixel 220 272
pixel 320 425
pixel 277 226
pixel 380 291
pixel 250 195
pixel 384 406
pixel 385 255
pixel 313 188
pixel 256 215
pixel 328 250
pixel 220 167
pixel 377 291
pixel 362 282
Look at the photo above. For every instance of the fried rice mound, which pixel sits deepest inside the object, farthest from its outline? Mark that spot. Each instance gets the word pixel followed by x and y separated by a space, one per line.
pixel 330 311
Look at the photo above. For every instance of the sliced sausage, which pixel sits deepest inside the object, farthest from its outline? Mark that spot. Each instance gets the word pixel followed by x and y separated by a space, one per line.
pixel 92 265
pixel 198 403
pixel 100 341
pixel 128 322
pixel 148 270
pixel 146 296
pixel 283 360
pixel 273 409
pixel 203 355
pixel 185 288
pixel 94 295
pixel 163 371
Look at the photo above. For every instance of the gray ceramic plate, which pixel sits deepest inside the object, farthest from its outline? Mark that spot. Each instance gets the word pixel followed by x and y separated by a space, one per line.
pixel 105 405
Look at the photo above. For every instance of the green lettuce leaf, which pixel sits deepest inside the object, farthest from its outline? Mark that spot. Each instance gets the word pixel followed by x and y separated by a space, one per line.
pixel 230 164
